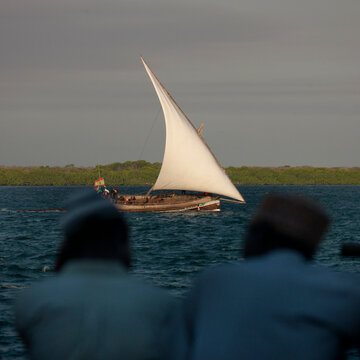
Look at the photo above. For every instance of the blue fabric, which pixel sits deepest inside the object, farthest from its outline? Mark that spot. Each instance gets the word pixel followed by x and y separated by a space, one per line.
pixel 92 310
pixel 277 306
pixel 86 207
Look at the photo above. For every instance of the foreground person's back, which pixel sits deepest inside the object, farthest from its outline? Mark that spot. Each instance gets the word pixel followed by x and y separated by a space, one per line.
pixel 276 304
pixel 92 308
pixel 276 307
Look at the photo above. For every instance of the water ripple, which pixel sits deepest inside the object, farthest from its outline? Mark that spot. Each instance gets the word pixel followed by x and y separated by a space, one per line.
pixel 169 249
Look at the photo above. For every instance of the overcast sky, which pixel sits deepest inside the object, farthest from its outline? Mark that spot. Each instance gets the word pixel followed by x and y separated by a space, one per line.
pixel 276 82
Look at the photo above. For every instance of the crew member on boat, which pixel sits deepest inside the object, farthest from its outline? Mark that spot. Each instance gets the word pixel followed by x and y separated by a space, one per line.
pixel 114 193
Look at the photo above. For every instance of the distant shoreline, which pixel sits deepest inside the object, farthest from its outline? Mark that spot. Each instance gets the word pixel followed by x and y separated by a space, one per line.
pixel 145 173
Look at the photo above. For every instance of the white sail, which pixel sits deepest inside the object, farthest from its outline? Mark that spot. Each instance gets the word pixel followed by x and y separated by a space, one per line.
pixel 188 163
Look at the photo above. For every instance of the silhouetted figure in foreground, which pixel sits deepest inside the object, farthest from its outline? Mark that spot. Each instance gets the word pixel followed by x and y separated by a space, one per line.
pixel 275 304
pixel 92 308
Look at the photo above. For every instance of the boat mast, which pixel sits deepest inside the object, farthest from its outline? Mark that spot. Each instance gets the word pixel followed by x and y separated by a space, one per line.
pixel 148 193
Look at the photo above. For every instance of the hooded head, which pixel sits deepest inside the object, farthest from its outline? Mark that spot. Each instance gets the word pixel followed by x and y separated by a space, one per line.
pixel 93 229
pixel 286 221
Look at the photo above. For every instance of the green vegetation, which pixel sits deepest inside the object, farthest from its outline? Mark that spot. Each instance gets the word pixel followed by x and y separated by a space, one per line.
pixel 304 175
pixel 145 173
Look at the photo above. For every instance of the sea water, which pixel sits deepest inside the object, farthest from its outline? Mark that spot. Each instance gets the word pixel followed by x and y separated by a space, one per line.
pixel 169 249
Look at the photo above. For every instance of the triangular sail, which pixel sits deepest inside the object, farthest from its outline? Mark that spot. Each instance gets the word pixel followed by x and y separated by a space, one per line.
pixel 188 163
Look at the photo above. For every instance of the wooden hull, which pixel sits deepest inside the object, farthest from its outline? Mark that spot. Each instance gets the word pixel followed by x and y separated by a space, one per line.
pixel 167 203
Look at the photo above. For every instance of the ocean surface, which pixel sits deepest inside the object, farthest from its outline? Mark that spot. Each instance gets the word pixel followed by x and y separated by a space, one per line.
pixel 169 249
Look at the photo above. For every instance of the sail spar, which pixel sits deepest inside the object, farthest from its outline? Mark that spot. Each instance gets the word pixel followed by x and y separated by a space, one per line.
pixel 188 162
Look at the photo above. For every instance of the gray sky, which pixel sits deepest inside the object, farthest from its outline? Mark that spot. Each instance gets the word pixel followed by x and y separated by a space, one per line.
pixel 276 82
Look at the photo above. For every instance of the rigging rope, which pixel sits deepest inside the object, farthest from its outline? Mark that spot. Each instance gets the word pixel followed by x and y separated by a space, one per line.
pixel 148 135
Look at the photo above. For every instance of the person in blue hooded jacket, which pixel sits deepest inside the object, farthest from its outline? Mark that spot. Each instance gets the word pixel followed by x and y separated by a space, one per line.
pixel 92 308
pixel 276 304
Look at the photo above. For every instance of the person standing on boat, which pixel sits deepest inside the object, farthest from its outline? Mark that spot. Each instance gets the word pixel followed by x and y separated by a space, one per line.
pixel 93 308
pixel 276 304
pixel 114 192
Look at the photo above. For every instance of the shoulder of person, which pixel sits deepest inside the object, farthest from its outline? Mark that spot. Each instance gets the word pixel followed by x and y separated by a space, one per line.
pixel 221 270
pixel 152 291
